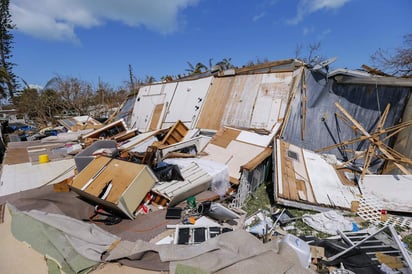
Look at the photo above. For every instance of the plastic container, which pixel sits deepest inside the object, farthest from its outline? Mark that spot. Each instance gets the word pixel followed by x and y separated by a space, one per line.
pixel 301 248
pixel 43 158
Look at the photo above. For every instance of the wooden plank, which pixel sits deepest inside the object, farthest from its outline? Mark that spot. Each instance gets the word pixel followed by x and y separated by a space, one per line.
pixel 214 106
pixel 83 177
pixel 291 178
pixel 156 117
pixel 252 164
pixel 285 173
pixel 175 134
pixel 224 136
pixel 377 142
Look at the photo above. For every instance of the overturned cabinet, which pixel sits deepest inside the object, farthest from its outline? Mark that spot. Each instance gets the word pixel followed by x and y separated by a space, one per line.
pixel 115 184
pixel 195 181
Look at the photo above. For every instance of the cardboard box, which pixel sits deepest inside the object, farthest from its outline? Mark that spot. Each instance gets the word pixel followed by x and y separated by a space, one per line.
pixel 115 184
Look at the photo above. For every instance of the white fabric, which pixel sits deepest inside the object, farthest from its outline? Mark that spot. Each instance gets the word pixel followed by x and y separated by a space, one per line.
pixel 328 222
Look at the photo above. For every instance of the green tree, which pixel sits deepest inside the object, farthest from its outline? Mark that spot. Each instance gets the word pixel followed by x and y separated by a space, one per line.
pixel 167 78
pixel 196 69
pixel 76 96
pixel 258 61
pixel 27 102
pixel 7 77
pixel 50 106
pixel 398 62
pixel 225 63
pixel 149 79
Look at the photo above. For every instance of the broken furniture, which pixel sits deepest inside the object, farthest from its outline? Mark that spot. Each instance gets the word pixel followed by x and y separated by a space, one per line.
pixel 195 181
pixel 110 131
pixel 114 184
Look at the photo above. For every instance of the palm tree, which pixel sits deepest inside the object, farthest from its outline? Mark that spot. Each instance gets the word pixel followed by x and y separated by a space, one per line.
pixel 167 78
pixel 150 79
pixel 197 69
pixel 225 63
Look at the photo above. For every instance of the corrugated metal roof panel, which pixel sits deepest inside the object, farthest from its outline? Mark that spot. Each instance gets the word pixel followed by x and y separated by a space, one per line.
pixel 240 105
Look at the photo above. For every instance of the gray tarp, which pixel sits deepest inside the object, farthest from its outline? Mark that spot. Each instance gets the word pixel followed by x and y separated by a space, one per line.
pixel 323 128
pixel 75 245
pixel 231 252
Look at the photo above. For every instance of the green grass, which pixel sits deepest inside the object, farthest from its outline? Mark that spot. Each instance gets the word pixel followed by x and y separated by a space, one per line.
pixel 257 200
pixel 260 200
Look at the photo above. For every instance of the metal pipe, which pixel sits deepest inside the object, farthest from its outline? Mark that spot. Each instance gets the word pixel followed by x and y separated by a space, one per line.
pixel 404 252
pixel 354 246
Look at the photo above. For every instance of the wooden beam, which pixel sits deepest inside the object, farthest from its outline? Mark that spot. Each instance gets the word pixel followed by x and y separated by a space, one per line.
pixel 378 143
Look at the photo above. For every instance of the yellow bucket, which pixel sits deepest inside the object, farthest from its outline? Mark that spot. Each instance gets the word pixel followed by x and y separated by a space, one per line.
pixel 43 158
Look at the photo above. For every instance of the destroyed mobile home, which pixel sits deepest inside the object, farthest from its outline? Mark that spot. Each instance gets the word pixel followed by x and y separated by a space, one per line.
pixel 162 185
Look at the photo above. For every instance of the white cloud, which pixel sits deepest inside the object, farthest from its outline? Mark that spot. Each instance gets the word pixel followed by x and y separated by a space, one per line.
pixel 58 20
pixel 324 33
pixel 308 30
pixel 36 86
pixel 306 7
pixel 258 16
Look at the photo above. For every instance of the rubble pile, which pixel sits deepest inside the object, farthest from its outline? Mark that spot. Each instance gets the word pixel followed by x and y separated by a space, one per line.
pixel 165 186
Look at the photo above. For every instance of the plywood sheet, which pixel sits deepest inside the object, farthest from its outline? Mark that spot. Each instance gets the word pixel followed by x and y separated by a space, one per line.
pixel 215 104
pixel 16 152
pixel 224 136
pixel 156 117
pixel 119 173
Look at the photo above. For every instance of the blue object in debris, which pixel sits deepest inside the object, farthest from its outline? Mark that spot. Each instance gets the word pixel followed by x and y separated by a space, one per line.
pixel 355 227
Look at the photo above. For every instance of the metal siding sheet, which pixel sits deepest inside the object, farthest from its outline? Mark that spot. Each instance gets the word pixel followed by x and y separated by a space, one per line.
pixel 240 105
pixel 144 110
pixel 188 101
pixel 127 110
pixel 271 100
pixel 323 128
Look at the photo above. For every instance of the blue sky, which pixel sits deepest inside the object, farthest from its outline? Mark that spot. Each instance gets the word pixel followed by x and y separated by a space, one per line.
pixel 98 39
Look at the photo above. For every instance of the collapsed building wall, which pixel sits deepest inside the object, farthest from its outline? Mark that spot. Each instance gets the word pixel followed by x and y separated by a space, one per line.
pixel 313 120
pixel 403 142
